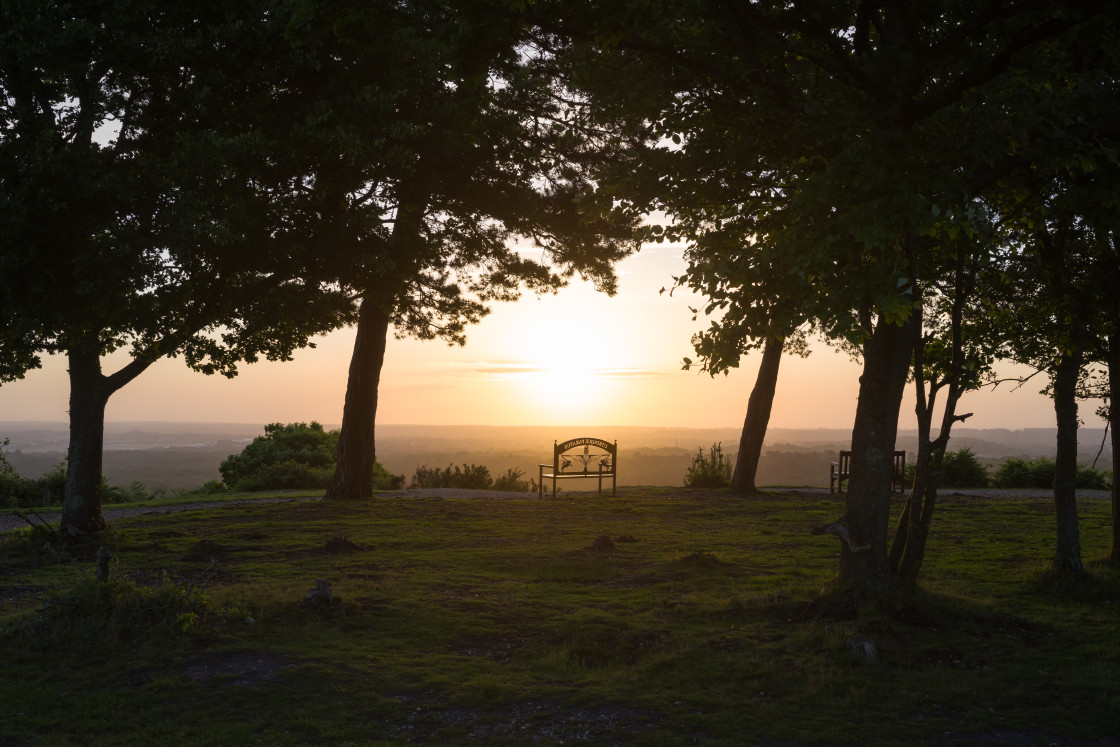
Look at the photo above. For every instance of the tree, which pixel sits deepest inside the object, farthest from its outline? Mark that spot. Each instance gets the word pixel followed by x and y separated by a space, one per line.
pixel 138 210
pixel 440 158
pixel 949 356
pixel 833 137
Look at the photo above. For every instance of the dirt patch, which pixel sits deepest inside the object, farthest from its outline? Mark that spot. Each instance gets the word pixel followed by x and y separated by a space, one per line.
pixel 12 593
pixel 500 648
pixel 205 551
pixel 339 546
pixel 239 668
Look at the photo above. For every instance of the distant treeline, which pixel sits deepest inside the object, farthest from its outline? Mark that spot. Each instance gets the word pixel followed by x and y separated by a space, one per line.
pixel 188 468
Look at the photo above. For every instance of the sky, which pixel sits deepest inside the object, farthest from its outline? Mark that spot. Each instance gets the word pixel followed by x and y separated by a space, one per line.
pixel 577 357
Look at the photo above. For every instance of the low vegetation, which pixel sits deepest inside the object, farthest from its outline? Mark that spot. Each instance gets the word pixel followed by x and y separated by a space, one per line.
pixel 292 456
pixel 48 489
pixel 472 477
pixel 963 469
pixel 711 471
pixel 1039 473
pixel 661 616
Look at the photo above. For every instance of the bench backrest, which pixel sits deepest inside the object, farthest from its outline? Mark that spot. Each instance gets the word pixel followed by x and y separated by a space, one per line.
pixel 589 456
pixel 899 464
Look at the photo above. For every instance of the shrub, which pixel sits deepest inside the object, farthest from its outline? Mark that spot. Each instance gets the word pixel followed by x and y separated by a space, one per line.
pixel 471 476
pixel 1019 473
pixel 383 480
pixel 962 469
pixel 712 471
pixel 118 611
pixel 1091 479
pixel 287 475
pixel 1039 473
pixel 23 492
pixel 295 455
pixel 511 481
pixel 290 457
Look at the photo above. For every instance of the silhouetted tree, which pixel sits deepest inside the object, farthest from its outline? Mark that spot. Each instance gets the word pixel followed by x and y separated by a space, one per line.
pixel 451 161
pixel 137 205
pixel 833 139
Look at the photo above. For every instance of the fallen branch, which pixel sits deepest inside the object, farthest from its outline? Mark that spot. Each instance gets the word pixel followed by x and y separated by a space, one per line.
pixel 841 530
pixel 43 523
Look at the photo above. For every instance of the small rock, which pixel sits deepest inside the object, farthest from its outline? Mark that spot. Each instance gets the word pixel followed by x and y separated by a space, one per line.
pixel 320 596
pixel 863 649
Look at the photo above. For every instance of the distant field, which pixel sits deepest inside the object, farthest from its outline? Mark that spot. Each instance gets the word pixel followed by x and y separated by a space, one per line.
pixel 172 456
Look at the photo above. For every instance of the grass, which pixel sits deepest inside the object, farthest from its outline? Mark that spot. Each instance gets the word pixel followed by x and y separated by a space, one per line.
pixel 512 621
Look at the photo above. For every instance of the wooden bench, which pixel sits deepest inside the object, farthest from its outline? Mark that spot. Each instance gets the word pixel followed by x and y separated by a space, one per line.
pixel 598 459
pixel 838 472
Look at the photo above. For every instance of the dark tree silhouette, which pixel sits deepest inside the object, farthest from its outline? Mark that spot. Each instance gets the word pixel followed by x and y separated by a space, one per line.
pixel 134 209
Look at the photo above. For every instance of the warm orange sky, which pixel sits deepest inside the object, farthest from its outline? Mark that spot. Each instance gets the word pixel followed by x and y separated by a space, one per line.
pixel 576 358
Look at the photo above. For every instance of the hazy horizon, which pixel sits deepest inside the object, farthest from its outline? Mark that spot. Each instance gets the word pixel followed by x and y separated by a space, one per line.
pixel 578 356
pixel 183 455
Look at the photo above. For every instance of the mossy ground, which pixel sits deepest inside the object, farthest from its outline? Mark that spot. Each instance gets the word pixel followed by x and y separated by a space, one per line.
pixel 512 620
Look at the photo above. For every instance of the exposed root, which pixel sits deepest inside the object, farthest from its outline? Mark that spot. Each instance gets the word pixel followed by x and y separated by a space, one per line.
pixel 841 530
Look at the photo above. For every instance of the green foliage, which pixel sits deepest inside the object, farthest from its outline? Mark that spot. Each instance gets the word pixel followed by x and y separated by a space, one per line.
pixel 711 471
pixel 1039 473
pixel 1019 473
pixel 293 455
pixel 511 482
pixel 962 469
pixel 384 480
pixel 117 611
pixel 23 492
pixel 212 487
pixel 472 476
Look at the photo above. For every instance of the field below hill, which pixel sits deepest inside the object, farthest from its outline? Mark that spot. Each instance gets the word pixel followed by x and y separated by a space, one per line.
pixel 660 616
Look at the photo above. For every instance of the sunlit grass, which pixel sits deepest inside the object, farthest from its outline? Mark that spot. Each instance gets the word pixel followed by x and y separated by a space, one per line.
pixel 696 619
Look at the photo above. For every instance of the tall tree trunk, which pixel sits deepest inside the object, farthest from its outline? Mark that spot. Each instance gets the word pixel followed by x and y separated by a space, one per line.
pixel 908 550
pixel 89 393
pixel 758 417
pixel 1113 394
pixel 1067 551
pixel 886 361
pixel 353 473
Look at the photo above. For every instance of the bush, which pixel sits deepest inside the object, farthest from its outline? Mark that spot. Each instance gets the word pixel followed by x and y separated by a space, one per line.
pixel 511 482
pixel 296 455
pixel 23 492
pixel 1091 479
pixel 383 480
pixel 118 611
pixel 1039 473
pixel 1019 473
pixel 712 471
pixel 962 469
pixel 471 476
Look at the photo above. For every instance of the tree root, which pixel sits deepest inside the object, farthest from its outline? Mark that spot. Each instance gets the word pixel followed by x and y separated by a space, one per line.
pixel 841 530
